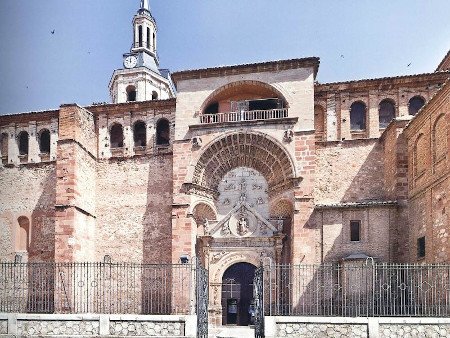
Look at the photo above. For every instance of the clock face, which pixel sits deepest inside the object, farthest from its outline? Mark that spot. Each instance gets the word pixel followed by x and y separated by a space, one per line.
pixel 130 61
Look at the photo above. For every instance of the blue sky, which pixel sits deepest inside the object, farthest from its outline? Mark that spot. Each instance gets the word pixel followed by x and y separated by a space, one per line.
pixel 40 70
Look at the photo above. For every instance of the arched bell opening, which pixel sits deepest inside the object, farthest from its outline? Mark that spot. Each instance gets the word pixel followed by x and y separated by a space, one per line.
pixel 237 295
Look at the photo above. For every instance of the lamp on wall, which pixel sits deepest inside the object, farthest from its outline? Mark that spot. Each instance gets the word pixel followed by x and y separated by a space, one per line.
pixel 184 259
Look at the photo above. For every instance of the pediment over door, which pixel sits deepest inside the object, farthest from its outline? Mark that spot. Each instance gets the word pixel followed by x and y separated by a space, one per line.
pixel 243 221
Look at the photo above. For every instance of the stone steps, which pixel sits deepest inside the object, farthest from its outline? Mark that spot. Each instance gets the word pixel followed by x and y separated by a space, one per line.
pixel 232 332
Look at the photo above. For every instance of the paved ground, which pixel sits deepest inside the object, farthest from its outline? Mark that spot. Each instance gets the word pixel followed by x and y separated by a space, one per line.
pixel 232 332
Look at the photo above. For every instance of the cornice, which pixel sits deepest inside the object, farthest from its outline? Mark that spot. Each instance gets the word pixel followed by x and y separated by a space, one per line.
pixel 248 68
pixel 384 83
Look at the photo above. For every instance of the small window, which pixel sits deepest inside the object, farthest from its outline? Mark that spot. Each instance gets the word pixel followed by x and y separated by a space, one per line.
pixel 162 132
pixel 154 41
pixel 386 113
pixel 421 247
pixel 148 38
pixel 140 134
pixel 116 135
pixel 154 95
pixel 131 93
pixel 44 141
pixel 358 116
pixel 355 231
pixel 23 143
pixel 415 104
pixel 140 36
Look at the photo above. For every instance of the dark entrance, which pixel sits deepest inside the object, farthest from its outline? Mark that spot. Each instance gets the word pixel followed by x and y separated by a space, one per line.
pixel 237 294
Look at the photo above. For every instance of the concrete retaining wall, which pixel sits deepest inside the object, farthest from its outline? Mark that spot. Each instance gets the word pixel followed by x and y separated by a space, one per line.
pixel 89 325
pixel 319 327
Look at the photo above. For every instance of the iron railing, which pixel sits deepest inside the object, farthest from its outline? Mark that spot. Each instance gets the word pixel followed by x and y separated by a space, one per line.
pixel 97 288
pixel 361 289
pixel 249 115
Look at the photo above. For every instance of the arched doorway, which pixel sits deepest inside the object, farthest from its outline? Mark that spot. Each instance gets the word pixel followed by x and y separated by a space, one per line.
pixel 237 294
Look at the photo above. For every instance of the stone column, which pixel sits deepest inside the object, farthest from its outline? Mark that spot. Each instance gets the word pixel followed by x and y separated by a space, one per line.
pixel 345 116
pixel 13 147
pixel 128 143
pixel 331 118
pixel 33 143
pixel 373 120
pixel 53 138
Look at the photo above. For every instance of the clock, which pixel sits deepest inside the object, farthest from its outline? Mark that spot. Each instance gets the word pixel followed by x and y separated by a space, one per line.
pixel 130 61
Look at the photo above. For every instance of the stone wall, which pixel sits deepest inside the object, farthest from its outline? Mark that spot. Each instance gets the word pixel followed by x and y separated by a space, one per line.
pixel 91 325
pixel 375 232
pixel 28 191
pixel 372 327
pixel 349 171
pixel 134 198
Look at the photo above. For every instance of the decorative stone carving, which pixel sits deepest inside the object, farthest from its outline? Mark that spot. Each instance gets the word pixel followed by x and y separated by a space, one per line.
pixel 226 229
pixel 243 226
pixel 215 257
pixel 197 142
pixel 288 135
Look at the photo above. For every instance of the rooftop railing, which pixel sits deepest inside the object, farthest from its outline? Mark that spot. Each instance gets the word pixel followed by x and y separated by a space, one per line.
pixel 250 115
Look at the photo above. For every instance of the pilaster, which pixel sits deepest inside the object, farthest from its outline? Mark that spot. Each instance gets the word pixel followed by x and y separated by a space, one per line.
pixel 331 118
pixel 345 116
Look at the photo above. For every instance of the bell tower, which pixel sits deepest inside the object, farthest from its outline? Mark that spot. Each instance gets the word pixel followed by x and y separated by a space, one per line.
pixel 140 79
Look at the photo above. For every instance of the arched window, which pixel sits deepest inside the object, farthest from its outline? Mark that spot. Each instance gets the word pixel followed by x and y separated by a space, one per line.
pixel 386 112
pixel 44 141
pixel 23 139
pixel 154 95
pixel 140 35
pixel 319 122
pixel 420 155
pixel 415 104
pixel 23 234
pixel 131 93
pixel 358 116
pixel 154 41
pixel 4 147
pixel 148 38
pixel 140 134
pixel 162 132
pixel 116 135
pixel 439 139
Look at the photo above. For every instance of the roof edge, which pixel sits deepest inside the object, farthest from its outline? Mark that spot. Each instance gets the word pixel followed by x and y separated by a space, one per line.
pixel 247 68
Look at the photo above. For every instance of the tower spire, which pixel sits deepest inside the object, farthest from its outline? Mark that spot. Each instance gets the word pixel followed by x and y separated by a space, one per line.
pixel 145 6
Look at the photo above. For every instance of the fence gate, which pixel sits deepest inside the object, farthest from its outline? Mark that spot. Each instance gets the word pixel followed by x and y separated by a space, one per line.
pixel 258 294
pixel 202 301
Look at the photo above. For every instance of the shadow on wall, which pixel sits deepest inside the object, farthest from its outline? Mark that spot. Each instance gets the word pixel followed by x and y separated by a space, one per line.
pixel 368 182
pixel 157 221
pixel 42 228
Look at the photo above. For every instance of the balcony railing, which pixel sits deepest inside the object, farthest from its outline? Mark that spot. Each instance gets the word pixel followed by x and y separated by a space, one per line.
pixel 250 115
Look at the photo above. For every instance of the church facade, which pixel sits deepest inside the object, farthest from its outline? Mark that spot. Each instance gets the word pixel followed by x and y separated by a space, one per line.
pixel 234 164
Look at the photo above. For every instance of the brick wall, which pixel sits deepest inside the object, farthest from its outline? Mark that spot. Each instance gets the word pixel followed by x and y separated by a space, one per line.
pixel 337 99
pixel 428 139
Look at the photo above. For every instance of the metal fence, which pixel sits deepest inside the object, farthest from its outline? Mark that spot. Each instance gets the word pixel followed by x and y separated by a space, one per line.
pixel 357 289
pixel 97 288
